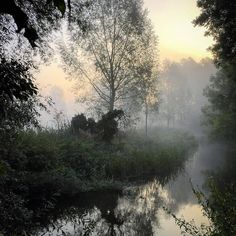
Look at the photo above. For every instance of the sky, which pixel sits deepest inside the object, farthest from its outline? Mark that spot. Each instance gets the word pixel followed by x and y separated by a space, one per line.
pixel 178 38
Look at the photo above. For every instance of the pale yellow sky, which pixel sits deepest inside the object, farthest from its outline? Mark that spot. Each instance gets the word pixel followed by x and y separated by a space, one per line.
pixel 178 38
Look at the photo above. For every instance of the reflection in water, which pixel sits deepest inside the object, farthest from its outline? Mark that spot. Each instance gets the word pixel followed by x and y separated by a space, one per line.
pixel 134 214
pixel 138 210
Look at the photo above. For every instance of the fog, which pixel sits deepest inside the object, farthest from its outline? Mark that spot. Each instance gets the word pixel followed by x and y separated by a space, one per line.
pixel 115 119
pixel 180 86
pixel 181 93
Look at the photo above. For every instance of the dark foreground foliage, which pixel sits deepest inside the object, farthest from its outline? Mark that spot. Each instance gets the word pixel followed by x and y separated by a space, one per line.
pixel 44 166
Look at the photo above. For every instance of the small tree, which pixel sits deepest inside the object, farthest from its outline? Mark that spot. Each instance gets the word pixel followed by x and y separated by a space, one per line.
pixel 105 128
pixel 79 122
pixel 108 125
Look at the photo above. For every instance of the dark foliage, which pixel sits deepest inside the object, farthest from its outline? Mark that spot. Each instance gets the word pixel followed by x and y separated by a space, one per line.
pixel 106 128
pixel 35 22
pixel 18 97
pixel 80 122
pixel 40 10
pixel 16 82
pixel 108 125
pixel 220 115
pixel 91 125
pixel 219 19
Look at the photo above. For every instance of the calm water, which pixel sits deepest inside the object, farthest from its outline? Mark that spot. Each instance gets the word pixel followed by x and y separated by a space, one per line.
pixel 138 210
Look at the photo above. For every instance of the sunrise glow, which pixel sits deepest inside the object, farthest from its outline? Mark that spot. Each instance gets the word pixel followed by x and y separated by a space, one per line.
pixel 178 38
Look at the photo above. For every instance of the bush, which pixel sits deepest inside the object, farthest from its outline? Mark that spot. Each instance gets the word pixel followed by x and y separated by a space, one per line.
pixel 106 128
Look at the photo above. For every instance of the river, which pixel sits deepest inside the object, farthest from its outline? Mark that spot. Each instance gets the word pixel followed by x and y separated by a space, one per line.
pixel 138 210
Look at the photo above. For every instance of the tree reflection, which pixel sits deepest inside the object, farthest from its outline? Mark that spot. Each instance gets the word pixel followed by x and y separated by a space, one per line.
pixel 134 213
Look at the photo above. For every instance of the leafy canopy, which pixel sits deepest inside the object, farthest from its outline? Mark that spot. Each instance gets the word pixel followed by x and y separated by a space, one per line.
pixel 219 19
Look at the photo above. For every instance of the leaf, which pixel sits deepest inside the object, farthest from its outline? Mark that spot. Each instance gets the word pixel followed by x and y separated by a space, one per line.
pixel 32 35
pixel 61 6
pixel 2 170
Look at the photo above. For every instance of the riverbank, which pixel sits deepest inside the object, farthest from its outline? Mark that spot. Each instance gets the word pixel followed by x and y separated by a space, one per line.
pixel 47 165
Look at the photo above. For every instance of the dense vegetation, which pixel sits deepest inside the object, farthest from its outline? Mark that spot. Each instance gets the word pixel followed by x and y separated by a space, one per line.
pixel 45 165
pixel 218 17
pixel 220 114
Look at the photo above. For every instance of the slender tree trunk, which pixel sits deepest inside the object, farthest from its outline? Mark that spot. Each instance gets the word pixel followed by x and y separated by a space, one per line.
pixel 146 119
pixel 111 105
pixel 112 100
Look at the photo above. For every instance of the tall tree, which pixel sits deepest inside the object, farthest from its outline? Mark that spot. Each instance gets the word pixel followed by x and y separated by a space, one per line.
pixel 148 85
pixel 219 18
pixel 108 56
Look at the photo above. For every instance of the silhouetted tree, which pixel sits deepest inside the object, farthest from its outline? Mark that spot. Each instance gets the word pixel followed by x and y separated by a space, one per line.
pixel 108 56
pixel 219 19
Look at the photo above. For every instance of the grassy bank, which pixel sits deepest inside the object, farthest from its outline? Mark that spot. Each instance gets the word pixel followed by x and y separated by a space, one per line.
pixel 45 165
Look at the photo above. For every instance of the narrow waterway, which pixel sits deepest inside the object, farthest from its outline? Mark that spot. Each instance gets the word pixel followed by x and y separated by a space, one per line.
pixel 179 194
pixel 138 210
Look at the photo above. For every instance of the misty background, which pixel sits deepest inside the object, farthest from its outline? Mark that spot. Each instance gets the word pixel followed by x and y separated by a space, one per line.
pixel 181 95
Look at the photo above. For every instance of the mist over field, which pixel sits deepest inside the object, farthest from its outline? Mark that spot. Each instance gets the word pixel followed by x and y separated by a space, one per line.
pixel 117 118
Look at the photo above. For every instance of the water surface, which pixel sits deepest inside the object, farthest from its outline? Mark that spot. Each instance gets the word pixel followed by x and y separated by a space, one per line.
pixel 138 210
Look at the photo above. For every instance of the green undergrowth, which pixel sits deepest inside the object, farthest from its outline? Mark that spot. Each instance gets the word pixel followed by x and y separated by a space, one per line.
pixel 43 166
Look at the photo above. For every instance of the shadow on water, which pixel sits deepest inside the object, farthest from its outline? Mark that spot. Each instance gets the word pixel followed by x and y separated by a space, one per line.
pixel 137 210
